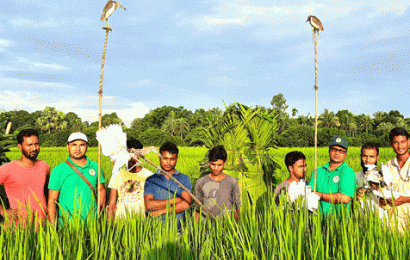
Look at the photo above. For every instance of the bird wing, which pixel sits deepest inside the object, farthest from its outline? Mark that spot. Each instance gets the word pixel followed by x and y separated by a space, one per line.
pixel 113 140
pixel 109 8
pixel 387 175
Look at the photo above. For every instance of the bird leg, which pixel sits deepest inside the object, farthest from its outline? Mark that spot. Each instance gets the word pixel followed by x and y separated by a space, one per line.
pixel 106 23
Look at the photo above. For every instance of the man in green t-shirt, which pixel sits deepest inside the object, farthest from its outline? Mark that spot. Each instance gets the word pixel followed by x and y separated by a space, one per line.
pixel 335 181
pixel 73 194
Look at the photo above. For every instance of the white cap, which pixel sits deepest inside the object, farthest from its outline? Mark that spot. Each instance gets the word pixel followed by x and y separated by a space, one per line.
pixel 77 136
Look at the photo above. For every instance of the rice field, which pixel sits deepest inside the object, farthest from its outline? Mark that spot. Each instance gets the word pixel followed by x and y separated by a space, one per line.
pixel 263 232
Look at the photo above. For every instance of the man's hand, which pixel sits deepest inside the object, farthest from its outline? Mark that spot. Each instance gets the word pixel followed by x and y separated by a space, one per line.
pixel 397 202
pixel 360 193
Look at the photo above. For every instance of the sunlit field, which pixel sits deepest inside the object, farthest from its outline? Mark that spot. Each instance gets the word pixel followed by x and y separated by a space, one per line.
pixel 266 232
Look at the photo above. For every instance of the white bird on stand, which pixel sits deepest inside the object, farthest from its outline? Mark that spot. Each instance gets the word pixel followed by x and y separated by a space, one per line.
pixel 109 9
pixel 114 145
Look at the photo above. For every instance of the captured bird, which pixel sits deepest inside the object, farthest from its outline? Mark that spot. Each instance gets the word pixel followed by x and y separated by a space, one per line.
pixel 109 9
pixel 315 22
pixel 114 145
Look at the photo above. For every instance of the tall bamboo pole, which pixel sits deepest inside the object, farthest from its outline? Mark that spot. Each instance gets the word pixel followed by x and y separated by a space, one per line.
pixel 315 35
pixel 100 93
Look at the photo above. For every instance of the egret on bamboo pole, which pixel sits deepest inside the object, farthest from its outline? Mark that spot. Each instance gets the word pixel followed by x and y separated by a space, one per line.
pixel 109 9
pixel 317 25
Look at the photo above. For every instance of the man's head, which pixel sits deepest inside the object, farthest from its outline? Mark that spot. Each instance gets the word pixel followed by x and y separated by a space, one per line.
pixel 296 163
pixel 217 159
pixel 77 145
pixel 169 152
pixel 338 149
pixel 133 144
pixel 399 140
pixel 28 143
pixel 369 154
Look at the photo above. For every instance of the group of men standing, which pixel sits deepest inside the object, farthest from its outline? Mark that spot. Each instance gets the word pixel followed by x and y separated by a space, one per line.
pixel 71 187
pixel 35 194
pixel 336 183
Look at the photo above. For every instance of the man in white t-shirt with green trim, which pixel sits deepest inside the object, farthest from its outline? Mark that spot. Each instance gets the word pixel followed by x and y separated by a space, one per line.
pixel 128 187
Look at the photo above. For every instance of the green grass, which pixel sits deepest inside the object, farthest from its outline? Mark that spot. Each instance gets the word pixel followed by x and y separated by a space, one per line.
pixel 266 232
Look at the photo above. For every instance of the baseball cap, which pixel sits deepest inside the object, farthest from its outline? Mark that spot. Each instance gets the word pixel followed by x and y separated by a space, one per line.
pixel 339 141
pixel 77 136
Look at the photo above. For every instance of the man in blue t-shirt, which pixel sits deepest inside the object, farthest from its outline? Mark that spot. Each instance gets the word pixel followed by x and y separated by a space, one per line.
pixel 161 191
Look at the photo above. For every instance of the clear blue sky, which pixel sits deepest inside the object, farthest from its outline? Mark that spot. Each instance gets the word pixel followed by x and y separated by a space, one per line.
pixel 198 53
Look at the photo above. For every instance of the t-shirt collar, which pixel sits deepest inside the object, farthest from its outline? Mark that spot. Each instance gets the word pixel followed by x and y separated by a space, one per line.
pixel 85 166
pixel 337 169
pixel 175 173
pixel 396 163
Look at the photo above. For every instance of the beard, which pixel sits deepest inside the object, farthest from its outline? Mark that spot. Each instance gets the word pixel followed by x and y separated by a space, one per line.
pixel 32 156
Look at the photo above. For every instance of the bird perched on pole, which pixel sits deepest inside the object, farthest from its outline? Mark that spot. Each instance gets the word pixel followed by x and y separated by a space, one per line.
pixel 315 22
pixel 109 9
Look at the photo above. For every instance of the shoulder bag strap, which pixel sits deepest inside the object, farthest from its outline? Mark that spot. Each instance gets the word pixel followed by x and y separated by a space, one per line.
pixel 82 177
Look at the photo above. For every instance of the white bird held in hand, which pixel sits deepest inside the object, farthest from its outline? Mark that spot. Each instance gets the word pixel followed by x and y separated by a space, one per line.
pixel 114 145
pixel 387 175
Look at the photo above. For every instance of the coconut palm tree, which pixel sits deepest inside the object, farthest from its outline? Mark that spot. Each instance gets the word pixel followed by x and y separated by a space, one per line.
pixel 182 126
pixel 171 123
pixel 328 119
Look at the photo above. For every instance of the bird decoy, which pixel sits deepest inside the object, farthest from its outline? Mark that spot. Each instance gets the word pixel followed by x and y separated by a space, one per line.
pixel 109 9
pixel 315 22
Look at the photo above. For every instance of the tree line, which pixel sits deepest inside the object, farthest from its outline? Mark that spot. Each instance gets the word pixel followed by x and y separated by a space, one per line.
pixel 188 128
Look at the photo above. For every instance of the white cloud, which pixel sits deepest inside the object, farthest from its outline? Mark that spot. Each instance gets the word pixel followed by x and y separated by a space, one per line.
pixel 286 20
pixel 26 64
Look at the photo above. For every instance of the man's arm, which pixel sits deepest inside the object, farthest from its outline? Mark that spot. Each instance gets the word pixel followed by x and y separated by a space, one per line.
pixel 336 198
pixel 112 205
pixel 182 205
pixel 151 204
pixel 46 184
pixel 51 206
pixel 397 202
pixel 103 195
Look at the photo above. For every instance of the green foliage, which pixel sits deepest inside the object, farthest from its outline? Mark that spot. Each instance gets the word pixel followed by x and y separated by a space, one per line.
pixel 297 136
pixel 248 136
pixel 157 137
pixel 6 142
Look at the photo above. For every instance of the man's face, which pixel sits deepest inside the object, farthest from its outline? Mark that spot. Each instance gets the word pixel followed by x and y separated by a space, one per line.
pixel 30 147
pixel 369 156
pixel 337 154
pixel 298 169
pixel 168 161
pixel 217 167
pixel 400 144
pixel 77 149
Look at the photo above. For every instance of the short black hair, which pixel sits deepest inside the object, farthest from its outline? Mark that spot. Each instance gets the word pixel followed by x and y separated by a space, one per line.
pixel 26 133
pixel 293 157
pixel 370 146
pixel 397 131
pixel 169 147
pixel 132 143
pixel 218 153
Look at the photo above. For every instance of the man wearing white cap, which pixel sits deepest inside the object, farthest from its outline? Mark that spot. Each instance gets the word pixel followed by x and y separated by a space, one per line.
pixel 73 183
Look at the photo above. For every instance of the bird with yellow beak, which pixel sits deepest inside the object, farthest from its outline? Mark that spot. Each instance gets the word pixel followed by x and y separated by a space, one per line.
pixel 109 9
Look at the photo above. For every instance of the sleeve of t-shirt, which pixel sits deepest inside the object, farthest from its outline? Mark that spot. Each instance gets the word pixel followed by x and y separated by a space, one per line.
pixel 102 180
pixel 312 181
pixel 2 174
pixel 236 193
pixel 113 184
pixel 55 179
pixel 198 194
pixel 187 184
pixel 348 183
pixel 149 187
